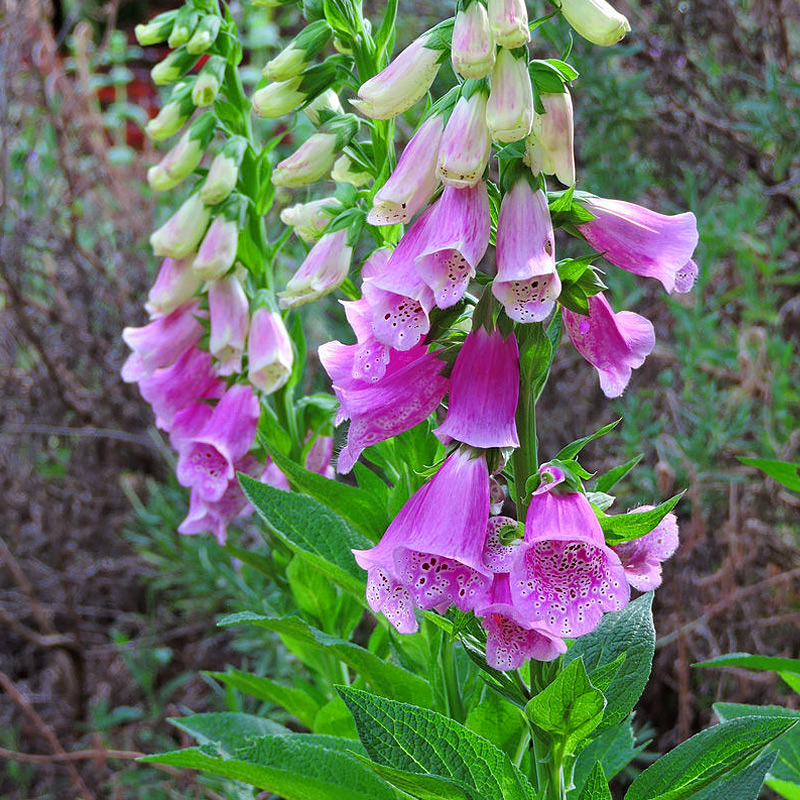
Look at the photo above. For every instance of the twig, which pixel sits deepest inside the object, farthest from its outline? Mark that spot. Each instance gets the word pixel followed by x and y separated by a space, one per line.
pixel 75 755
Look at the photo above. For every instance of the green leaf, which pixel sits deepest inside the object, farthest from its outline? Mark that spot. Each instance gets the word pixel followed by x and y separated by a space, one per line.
pixel 770 663
pixel 596 786
pixel 785 472
pixel 297 766
pixel 314 594
pixel 227 731
pixel 385 677
pixel 629 632
pixel 744 785
pixel 572 449
pixel 386 32
pixel 706 757
pixel 569 708
pixel 357 506
pixel 786 789
pixel 310 528
pixel 335 719
pixel 614 748
pixel 295 701
pixel 499 721
pixel 420 741
pixel 607 482
pixel 624 527
pixel 425 787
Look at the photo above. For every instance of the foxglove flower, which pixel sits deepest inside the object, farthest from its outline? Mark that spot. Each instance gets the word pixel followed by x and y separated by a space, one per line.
pixel 564 576
pixel 204 35
pixel 549 148
pixel 269 351
pixel 299 53
pixel 229 312
pixel 642 557
pixel 324 269
pixel 509 110
pixel 185 156
pixel 175 285
pixel 326 103
pixel 526 283
pixel 172 117
pixel 414 178
pixel 642 241
pixel 596 20
pixel 173 67
pixel 182 232
pixel 218 250
pixel 224 172
pixel 157 30
pixel 206 460
pixel 473 46
pixel 309 220
pixel 484 389
pixel 310 162
pixel 466 142
pixel 405 81
pixel 209 81
pixel 508 20
pixel 185 22
pixel 614 344
pixel 318 458
pixel 162 342
pixel 345 170
pixel 431 554
pixel 284 96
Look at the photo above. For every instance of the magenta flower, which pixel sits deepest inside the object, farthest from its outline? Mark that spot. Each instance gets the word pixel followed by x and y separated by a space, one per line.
pixel 269 351
pixel 472 50
pixel 642 557
pixel 318 458
pixel 564 576
pixel 229 311
pixel 644 242
pixel 161 342
pixel 526 283
pixel 206 460
pixel 614 344
pixel 218 249
pixel 466 143
pixel 414 178
pixel 431 554
pixel 457 238
pixel 176 284
pixel 484 389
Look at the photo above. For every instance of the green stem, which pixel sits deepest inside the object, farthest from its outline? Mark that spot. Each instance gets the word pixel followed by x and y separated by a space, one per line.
pixel 450 676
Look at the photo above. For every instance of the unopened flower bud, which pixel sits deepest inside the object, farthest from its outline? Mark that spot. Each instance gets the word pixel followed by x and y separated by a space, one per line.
pixel 229 313
pixel 277 99
pixel 345 170
pixel 473 44
pixel 466 142
pixel 205 34
pixel 309 220
pixel 172 117
pixel 175 285
pixel 269 351
pixel 323 107
pixel 185 22
pixel 509 110
pixel 218 250
pixel 185 156
pixel 157 30
pixel 181 233
pixel 208 83
pixel 595 20
pixel 302 50
pixel 508 20
pixel 173 67
pixel 549 148
pixel 224 172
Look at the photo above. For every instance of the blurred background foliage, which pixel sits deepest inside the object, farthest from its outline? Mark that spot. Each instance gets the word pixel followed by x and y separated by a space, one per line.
pixel 107 615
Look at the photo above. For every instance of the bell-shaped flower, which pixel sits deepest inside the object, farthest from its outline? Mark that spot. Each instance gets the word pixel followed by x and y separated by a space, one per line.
pixel 284 96
pixel 414 179
pixel 310 162
pixel 508 20
pixel 229 313
pixel 614 344
pixel 405 81
pixel 209 81
pixel 299 53
pixel 173 67
pixel 161 342
pixel 466 142
pixel 205 34
pixel 484 389
pixel 324 269
pixel 223 172
pixel 218 250
pixel 642 241
pixel 431 554
pixel 642 557
pixel 456 241
pixel 564 575
pixel 171 389
pixel 185 22
pixel 549 148
pixel 526 283
pixel 596 20
pixel 172 117
pixel 176 284
pixel 309 220
pixel 157 30
pixel 472 50
pixel 323 105
pixel 206 460
pixel 269 351
pixel 509 110
pixel 182 232
pixel 184 156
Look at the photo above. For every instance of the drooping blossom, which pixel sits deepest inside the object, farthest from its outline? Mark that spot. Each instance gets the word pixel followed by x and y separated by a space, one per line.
pixel 484 389
pixel 299 53
pixel 179 162
pixel 596 20
pixel 182 232
pixel 466 142
pixel 229 314
pixel 224 171
pixel 614 344
pixel 176 284
pixel 550 146
pixel 509 110
pixel 508 20
pixel 526 283
pixel 269 351
pixel 309 220
pixel 431 554
pixel 473 48
pixel 564 576
pixel 218 249
pixel 310 162
pixel 642 241
pixel 642 558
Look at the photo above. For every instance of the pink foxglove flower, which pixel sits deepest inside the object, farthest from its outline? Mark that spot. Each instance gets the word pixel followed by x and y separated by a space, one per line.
pixel 310 162
pixel 550 146
pixel 614 344
pixel 269 351
pixel 509 22
pixel 642 241
pixel 509 110
pixel 324 269
pixel 218 250
pixel 414 178
pixel 182 232
pixel 206 460
pixel 526 283
pixel 642 557
pixel 318 458
pixel 229 312
pixel 175 285
pixel 596 20
pixel 405 81
pixel 309 220
pixel 457 238
pixel 466 142
pixel 162 342
pixel 473 46
pixel 565 576
pixel 179 162
pixel 484 389
pixel 431 554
